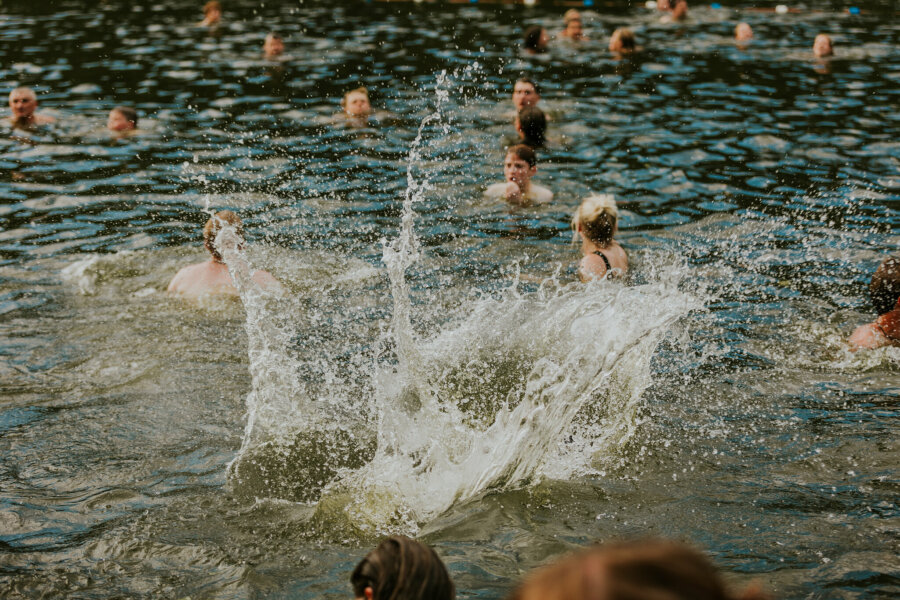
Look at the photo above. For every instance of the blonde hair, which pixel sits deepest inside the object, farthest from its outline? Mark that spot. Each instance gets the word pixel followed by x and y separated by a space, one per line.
pixel 215 224
pixel 598 217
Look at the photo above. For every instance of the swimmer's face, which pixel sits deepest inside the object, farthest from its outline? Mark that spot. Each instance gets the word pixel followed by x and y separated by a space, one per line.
pixel 213 15
pixel 524 95
pixel 822 46
pixel 517 170
pixel 743 32
pixel 574 29
pixel 118 122
pixel 273 46
pixel 23 103
pixel 357 104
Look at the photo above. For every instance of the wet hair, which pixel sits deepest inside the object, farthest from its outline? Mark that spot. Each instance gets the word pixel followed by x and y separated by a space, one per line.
pixel 525 153
pixel 129 113
pixel 571 15
pixel 529 81
pixel 360 90
pixel 402 569
pixel 533 124
pixel 211 6
pixel 885 287
pixel 598 217
pixel 626 39
pixel 215 224
pixel 532 38
pixel 642 570
pixel 23 90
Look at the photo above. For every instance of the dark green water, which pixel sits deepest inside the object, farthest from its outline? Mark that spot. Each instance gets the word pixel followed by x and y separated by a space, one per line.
pixel 758 183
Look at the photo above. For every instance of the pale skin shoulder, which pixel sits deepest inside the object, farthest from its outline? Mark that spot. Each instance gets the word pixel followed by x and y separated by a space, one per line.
pixel 211 277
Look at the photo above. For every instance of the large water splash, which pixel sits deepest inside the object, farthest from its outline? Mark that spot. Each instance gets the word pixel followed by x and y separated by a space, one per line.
pixel 511 388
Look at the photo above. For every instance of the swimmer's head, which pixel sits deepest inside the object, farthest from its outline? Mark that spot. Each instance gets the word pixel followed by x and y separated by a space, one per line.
pixel 273 45
pixel 633 570
pixel 356 103
pixel 22 103
pixel 536 39
pixel 574 28
pixel 822 45
pixel 622 41
pixel 525 93
pixel 885 287
pixel 520 165
pixel 401 568
pixel 532 126
pixel 122 118
pixel 571 15
pixel 597 219
pixel 743 32
pixel 212 10
pixel 215 224
pixel 679 10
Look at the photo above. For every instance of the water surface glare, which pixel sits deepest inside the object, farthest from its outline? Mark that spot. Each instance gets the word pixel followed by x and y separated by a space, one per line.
pixel 434 369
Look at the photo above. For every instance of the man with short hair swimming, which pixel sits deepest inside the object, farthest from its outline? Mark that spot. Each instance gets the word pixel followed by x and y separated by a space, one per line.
pixel 23 103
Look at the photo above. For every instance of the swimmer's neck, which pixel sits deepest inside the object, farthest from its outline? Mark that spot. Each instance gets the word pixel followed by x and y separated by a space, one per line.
pixel 589 247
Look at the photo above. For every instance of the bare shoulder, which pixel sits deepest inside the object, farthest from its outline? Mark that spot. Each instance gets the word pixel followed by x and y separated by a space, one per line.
pixel 184 277
pixel 267 281
pixel 591 266
pixel 496 190
pixel 540 193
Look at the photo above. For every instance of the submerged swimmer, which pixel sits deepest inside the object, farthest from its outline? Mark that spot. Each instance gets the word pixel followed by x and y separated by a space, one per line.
pixel 822 46
pixel 743 33
pixel 519 166
pixel 212 14
pixel 637 570
pixel 885 293
pixel 402 569
pixel 273 46
pixel 574 29
pixel 122 119
pixel 22 103
pixel 622 41
pixel 596 222
pixel 535 40
pixel 213 276
pixel 531 124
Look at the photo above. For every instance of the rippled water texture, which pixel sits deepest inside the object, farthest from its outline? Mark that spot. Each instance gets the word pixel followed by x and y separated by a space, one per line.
pixel 456 384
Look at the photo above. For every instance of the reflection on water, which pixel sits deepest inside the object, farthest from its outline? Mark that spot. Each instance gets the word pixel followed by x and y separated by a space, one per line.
pixel 446 393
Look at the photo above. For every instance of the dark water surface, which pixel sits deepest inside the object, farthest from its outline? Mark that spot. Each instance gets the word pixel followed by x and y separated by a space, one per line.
pixel 761 182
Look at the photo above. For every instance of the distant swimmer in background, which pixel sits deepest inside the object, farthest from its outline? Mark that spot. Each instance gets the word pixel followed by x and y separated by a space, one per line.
pixel 212 14
pixel 356 105
pixel 622 41
pixel 535 40
pixel 678 12
pixel 23 104
pixel 519 166
pixel 531 125
pixel 574 30
pixel 273 46
pixel 596 222
pixel 213 276
pixel 822 46
pixel 743 34
pixel 122 120
pixel 885 293
pixel 402 569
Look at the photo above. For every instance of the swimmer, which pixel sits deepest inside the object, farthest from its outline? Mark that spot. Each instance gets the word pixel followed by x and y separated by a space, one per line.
pixel 885 293
pixel 743 33
pixel 212 14
pixel 401 568
pixel 637 570
pixel 822 46
pixel 622 41
pixel 122 119
pixel 525 93
pixel 273 46
pixel 531 123
pixel 597 222
pixel 519 166
pixel 213 276
pixel 679 10
pixel 573 30
pixel 355 103
pixel 535 40
pixel 22 103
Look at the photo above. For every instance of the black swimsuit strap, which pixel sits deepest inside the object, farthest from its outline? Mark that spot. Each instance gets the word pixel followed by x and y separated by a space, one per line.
pixel 605 260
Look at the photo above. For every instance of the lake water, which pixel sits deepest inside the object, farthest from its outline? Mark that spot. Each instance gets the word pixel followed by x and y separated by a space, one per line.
pixel 434 368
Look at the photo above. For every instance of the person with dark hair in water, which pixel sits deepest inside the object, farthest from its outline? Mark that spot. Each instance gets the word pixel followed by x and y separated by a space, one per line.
pixel 885 293
pixel 402 569
pixel 622 41
pixel 519 167
pixel 535 40
pixel 121 119
pixel 273 46
pixel 642 570
pixel 531 124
